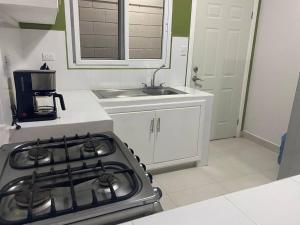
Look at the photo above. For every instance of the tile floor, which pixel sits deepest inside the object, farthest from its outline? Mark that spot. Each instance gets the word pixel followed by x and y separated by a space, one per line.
pixel 234 164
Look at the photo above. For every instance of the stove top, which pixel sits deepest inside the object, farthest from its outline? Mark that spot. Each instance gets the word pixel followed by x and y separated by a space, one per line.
pixel 64 150
pixel 64 180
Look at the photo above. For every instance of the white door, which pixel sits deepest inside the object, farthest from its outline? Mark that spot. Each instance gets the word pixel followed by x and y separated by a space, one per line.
pixel 137 130
pixel 177 133
pixel 221 42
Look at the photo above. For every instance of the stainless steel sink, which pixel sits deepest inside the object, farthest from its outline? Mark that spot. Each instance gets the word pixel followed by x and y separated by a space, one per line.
pixel 138 92
pixel 161 91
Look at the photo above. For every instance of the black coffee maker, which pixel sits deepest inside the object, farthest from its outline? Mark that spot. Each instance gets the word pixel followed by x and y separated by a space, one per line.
pixel 36 95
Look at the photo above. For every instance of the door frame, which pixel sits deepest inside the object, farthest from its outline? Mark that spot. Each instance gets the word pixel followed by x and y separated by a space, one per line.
pixel 249 57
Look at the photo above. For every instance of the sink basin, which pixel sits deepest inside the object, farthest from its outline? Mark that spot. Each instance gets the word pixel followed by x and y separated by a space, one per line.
pixel 118 93
pixel 161 91
pixel 138 92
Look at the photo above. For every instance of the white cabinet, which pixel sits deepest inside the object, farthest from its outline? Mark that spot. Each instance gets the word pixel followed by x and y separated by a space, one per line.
pixel 31 11
pixel 137 130
pixel 177 133
pixel 159 136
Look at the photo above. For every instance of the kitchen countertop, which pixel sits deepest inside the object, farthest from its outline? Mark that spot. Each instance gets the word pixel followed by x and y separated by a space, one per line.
pixel 85 112
pixel 191 94
pixel 277 203
pixel 80 108
pixel 82 115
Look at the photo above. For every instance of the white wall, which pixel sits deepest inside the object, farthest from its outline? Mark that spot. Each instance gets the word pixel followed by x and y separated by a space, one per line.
pixel 275 70
pixel 4 104
pixel 10 45
pixel 35 42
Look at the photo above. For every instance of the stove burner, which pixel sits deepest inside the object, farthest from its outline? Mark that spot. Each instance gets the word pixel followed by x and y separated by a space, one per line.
pixel 52 151
pixel 97 145
pixel 40 153
pixel 40 197
pixel 103 182
pixel 54 192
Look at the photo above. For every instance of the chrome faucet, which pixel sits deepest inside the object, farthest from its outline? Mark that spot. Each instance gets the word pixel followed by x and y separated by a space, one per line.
pixel 154 75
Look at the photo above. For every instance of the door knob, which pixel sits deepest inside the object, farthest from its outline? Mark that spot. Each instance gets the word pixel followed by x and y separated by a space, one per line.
pixel 195 78
pixel 196 69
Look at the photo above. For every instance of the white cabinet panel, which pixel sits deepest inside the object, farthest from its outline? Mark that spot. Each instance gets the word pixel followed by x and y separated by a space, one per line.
pixel 177 133
pixel 137 130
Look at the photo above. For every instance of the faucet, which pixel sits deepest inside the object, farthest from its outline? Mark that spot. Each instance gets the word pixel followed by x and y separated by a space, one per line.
pixel 154 75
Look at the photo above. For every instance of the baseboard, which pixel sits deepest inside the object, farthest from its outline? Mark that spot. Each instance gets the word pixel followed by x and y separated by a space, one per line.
pixel 4 135
pixel 261 141
pixel 173 164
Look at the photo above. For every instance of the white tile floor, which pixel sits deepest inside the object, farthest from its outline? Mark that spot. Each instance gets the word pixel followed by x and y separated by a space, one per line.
pixel 234 164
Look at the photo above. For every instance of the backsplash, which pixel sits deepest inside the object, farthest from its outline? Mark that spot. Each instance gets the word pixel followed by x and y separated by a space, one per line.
pixel 34 42
pixel 5 116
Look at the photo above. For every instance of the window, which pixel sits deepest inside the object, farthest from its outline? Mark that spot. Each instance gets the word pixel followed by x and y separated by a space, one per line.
pixel 118 33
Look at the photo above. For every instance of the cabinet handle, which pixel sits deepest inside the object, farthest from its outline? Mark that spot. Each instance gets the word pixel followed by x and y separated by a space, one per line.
pixel 158 125
pixel 152 126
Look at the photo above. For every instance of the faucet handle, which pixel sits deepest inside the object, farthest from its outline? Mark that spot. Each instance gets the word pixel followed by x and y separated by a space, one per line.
pixel 162 84
pixel 145 85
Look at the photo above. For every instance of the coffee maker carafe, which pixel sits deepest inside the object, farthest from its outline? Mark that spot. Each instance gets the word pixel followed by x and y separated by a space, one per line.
pixel 36 95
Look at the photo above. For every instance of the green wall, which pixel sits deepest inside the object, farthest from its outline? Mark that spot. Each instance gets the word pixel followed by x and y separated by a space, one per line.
pixel 181 18
pixel 180 24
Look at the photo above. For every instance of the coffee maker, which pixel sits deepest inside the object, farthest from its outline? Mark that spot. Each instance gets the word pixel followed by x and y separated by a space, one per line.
pixel 36 95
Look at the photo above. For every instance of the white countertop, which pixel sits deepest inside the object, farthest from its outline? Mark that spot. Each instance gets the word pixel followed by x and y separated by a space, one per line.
pixel 81 107
pixel 191 94
pixel 277 203
pixel 83 114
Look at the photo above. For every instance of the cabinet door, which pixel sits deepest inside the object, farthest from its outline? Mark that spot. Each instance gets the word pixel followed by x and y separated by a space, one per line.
pixel 177 133
pixel 137 130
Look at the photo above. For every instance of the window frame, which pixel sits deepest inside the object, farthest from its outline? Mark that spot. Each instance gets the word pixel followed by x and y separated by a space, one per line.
pixel 74 48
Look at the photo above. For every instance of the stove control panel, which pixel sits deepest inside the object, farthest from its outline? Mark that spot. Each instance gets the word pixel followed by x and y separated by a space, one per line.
pixel 149 175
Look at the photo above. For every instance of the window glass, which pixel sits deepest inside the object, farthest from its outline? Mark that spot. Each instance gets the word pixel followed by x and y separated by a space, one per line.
pixel 118 33
pixel 146 19
pixel 99 29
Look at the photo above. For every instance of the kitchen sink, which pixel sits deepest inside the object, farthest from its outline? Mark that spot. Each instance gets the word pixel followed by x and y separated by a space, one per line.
pixel 138 92
pixel 160 91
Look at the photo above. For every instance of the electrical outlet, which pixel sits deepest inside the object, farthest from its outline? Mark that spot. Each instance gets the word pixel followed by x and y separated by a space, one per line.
pixel 48 56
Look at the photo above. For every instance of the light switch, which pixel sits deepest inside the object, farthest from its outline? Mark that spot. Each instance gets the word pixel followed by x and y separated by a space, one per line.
pixel 183 50
pixel 48 56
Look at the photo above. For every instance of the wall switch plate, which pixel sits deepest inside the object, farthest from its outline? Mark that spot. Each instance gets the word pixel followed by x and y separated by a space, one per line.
pixel 48 56
pixel 183 50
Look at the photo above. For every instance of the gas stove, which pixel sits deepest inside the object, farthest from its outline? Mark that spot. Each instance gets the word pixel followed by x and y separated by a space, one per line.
pixel 90 179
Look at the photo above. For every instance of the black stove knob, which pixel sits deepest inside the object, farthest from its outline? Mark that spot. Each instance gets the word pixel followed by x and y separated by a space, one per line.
pixel 150 177
pixel 143 166
pixel 132 152
pixel 126 144
pixel 137 158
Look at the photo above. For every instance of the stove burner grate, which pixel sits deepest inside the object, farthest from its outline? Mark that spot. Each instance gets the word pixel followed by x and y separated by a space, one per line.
pixel 77 148
pixel 37 191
